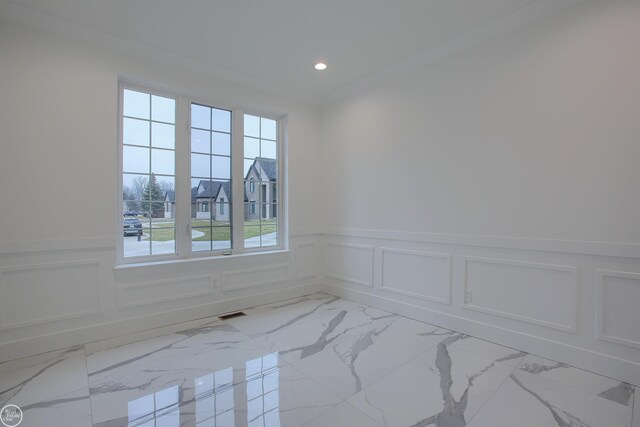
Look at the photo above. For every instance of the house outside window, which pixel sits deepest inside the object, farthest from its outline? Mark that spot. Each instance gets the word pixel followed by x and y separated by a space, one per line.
pixel 157 129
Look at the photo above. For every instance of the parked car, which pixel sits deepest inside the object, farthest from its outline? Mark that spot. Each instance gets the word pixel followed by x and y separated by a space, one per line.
pixel 132 227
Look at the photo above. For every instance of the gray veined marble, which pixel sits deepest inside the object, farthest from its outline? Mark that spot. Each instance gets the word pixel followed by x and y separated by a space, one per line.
pixel 323 340
pixel 533 400
pixel 444 386
pixel 50 388
pixel 563 418
pixel 598 385
pixel 621 393
pixel 314 361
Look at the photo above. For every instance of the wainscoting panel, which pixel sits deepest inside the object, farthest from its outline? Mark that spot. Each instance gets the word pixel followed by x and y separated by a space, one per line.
pixel 573 302
pixel 417 274
pixel 253 277
pixel 541 294
pixel 153 292
pixel 41 293
pixel 57 294
pixel 306 258
pixel 618 303
pixel 349 263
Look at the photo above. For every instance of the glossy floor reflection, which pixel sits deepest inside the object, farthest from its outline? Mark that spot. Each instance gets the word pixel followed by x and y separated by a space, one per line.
pixel 315 361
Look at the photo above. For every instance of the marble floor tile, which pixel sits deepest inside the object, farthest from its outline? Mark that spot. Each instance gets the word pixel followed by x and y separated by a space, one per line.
pixel 275 397
pixel 50 388
pixel 589 382
pixel 443 386
pixel 112 343
pixel 371 352
pixel 493 351
pixel 301 340
pixel 342 415
pixel 177 363
pixel 275 317
pixel 527 399
pixel 316 360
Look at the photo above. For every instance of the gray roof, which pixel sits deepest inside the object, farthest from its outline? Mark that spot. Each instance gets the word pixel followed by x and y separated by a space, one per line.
pixel 211 189
pixel 170 195
pixel 269 166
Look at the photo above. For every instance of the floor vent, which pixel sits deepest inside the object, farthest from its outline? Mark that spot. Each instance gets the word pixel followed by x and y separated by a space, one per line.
pixel 231 315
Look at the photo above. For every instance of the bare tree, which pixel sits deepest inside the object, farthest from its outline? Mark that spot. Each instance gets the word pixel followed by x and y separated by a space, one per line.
pixel 130 200
pixel 165 186
pixel 139 184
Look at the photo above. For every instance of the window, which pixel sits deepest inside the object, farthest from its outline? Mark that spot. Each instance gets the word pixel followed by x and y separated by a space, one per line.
pixel 261 167
pixel 210 176
pixel 148 171
pixel 159 131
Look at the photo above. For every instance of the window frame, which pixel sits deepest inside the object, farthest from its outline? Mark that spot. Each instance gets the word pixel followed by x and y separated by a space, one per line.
pixel 182 179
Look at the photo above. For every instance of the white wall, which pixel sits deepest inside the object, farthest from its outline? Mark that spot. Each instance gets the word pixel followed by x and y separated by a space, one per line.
pixel 531 135
pixel 58 175
pixel 505 177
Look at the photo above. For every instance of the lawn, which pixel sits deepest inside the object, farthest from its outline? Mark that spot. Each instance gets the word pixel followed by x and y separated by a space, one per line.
pixel 219 230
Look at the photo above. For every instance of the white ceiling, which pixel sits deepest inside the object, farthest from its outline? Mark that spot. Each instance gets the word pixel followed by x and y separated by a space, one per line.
pixel 278 41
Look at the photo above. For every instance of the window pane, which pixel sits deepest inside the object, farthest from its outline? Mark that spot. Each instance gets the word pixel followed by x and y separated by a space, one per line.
pixel 163 136
pixel 135 159
pixel 221 143
pixel 251 126
pixel 200 116
pixel 251 236
pixel 163 241
pixel 221 238
pixel 247 166
pixel 223 212
pixel 251 148
pixel 136 233
pixel 220 167
pixel 200 165
pixel 211 198
pixel 268 129
pixel 221 120
pixel 200 141
pixel 133 186
pixel 201 239
pixel 136 104
pixel 268 149
pixel 167 185
pixel 135 132
pixel 163 109
pixel 260 186
pixel 148 182
pixel 162 162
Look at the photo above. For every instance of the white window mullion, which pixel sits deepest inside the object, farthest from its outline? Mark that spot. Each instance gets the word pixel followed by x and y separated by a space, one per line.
pixel 183 182
pixel 282 185
pixel 237 176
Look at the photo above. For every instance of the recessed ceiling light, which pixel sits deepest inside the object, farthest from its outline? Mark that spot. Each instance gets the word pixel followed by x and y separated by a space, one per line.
pixel 320 66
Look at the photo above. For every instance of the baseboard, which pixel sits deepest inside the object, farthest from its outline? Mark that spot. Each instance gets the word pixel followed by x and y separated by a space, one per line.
pixel 72 337
pixel 584 358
